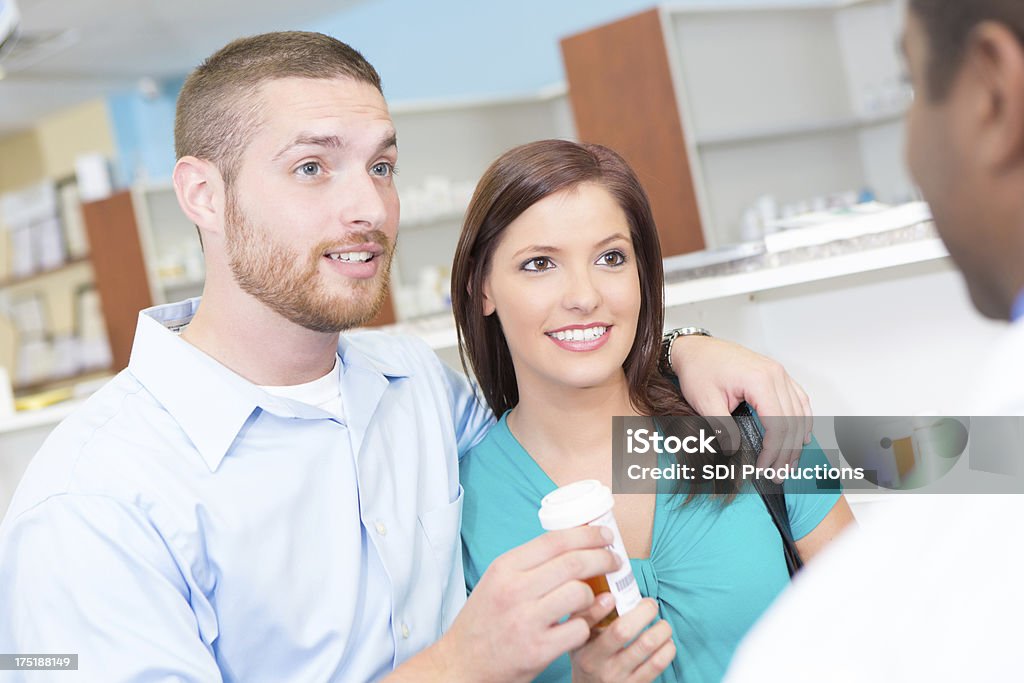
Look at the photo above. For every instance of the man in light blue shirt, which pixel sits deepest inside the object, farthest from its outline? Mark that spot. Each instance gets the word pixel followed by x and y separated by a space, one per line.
pixel 233 527
pixel 256 498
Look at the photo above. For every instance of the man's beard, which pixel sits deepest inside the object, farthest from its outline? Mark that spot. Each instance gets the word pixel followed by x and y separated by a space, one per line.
pixel 290 284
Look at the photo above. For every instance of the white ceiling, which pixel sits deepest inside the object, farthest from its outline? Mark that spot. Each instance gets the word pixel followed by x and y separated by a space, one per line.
pixel 112 44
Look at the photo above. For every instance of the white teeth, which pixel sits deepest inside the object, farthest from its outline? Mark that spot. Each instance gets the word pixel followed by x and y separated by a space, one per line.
pixel 352 256
pixel 589 334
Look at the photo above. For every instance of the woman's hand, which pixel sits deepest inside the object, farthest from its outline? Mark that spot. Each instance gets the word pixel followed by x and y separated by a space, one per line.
pixel 624 651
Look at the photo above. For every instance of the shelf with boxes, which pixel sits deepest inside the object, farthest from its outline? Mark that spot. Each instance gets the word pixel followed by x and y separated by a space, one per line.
pixel 49 271
pixel 71 285
pixel 738 116
pixel 52 332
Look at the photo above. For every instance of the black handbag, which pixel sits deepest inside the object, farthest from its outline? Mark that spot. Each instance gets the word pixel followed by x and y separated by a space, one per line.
pixel 772 494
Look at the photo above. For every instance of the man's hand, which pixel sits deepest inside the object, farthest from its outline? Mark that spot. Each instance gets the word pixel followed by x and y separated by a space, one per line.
pixel 509 630
pixel 624 651
pixel 715 376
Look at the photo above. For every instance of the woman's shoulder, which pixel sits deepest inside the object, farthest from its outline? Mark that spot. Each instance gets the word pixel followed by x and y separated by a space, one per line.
pixel 486 453
pixel 501 496
pixel 497 469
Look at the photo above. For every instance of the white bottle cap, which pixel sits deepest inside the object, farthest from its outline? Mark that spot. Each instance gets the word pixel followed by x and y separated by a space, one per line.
pixel 574 505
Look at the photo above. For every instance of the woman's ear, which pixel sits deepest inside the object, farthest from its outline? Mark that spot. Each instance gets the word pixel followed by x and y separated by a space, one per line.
pixel 488 301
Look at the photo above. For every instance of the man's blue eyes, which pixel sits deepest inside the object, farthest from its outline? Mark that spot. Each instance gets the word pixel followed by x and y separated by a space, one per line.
pixel 313 168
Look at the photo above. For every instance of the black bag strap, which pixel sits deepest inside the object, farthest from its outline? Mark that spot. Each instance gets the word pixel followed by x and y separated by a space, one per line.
pixel 771 493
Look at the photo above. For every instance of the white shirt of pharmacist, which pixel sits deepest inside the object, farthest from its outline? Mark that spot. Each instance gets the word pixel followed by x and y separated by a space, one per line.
pixel 999 389
pixel 931 593
pixel 590 502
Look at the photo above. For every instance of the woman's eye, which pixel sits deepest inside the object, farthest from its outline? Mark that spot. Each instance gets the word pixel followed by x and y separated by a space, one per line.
pixel 310 168
pixel 538 264
pixel 383 169
pixel 612 258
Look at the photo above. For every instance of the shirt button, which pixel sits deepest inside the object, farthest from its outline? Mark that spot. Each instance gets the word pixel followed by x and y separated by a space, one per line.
pixel 381 529
pixel 405 630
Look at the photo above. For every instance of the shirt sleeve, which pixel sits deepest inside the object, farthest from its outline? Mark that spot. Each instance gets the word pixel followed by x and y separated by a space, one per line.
pixel 809 500
pixel 470 413
pixel 90 575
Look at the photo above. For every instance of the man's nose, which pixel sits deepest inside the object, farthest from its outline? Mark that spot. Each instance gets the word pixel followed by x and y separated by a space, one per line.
pixel 364 202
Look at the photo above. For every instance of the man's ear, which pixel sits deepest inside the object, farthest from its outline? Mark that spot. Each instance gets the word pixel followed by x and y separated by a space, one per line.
pixel 200 190
pixel 991 84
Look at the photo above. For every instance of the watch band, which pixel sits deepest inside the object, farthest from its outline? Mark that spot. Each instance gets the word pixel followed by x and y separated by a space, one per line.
pixel 668 339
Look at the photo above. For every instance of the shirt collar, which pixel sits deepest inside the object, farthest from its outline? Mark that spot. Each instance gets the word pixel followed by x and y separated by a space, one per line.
pixel 210 402
pixel 1017 312
pixel 369 356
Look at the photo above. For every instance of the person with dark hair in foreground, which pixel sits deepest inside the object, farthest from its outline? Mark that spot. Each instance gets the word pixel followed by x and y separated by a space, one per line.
pixel 937 595
pixel 257 498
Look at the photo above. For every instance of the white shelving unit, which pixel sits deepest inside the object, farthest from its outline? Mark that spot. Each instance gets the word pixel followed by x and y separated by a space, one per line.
pixel 793 101
pixel 170 243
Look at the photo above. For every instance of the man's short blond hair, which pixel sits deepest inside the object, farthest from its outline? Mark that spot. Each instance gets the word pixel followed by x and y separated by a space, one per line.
pixel 219 107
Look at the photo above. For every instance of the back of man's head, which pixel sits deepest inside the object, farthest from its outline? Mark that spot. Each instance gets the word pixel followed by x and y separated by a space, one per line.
pixel 948 25
pixel 219 105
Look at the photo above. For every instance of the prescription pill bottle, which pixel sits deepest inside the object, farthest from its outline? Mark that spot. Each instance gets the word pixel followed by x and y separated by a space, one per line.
pixel 590 502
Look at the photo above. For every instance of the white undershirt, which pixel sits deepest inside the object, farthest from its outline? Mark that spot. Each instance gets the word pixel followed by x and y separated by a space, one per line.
pixel 323 393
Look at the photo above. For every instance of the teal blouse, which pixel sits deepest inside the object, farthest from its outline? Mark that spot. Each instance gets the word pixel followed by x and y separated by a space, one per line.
pixel 713 568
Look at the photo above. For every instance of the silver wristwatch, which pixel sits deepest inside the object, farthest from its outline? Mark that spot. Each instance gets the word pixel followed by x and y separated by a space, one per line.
pixel 668 339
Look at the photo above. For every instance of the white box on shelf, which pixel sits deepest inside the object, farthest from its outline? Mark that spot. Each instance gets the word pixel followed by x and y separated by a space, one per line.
pixel 93 174
pixel 48 247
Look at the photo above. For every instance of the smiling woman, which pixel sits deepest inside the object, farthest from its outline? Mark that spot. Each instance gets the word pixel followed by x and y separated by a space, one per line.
pixel 557 293
pixel 577 290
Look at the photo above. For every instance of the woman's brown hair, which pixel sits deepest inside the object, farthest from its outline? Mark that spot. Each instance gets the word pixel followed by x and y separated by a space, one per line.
pixel 517 180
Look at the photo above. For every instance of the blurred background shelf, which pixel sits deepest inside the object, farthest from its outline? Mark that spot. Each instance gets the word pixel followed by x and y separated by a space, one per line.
pixel 745 137
pixel 22 279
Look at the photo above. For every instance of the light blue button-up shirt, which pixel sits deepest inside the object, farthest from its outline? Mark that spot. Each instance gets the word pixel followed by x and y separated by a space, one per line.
pixel 187 525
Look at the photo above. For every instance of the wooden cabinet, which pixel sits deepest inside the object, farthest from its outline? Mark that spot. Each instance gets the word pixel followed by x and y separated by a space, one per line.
pixel 119 270
pixel 726 109
pixel 622 95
